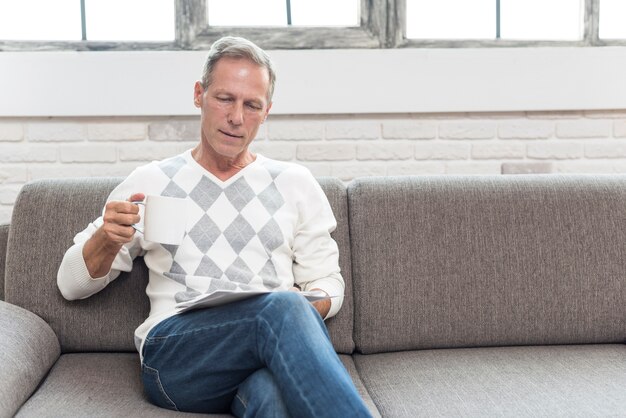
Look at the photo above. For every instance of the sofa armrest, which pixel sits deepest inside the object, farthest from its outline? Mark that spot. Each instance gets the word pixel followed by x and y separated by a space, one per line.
pixel 4 237
pixel 28 349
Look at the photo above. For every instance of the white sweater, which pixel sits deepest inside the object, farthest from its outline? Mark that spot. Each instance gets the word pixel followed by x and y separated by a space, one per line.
pixel 267 227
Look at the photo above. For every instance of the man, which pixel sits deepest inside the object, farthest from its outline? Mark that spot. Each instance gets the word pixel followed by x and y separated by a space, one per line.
pixel 255 224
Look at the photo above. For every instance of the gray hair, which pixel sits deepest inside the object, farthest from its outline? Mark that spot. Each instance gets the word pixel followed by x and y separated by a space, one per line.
pixel 235 47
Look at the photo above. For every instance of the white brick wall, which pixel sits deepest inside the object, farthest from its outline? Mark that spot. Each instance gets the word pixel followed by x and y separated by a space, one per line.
pixel 346 146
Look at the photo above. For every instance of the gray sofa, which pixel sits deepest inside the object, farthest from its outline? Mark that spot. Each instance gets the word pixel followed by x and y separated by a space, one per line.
pixel 466 296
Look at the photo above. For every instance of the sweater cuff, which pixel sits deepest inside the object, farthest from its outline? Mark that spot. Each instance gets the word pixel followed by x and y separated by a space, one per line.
pixel 74 279
pixel 335 291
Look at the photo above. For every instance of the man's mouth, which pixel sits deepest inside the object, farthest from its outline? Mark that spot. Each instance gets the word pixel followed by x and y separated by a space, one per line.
pixel 231 135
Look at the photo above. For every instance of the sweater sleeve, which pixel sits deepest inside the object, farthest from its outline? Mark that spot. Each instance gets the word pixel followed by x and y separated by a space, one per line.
pixel 73 278
pixel 316 256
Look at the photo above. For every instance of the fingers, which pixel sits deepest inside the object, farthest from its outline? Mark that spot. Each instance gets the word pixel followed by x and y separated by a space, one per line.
pixel 121 213
pixel 136 197
pixel 119 216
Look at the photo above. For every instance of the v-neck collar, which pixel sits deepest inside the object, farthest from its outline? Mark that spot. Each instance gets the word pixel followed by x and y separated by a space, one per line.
pixel 213 177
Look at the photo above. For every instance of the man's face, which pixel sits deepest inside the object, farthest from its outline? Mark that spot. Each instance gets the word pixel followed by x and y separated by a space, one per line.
pixel 233 106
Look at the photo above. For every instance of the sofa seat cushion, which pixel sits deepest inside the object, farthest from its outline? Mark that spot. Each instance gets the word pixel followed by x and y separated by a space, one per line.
pixel 109 385
pixel 94 385
pixel 582 380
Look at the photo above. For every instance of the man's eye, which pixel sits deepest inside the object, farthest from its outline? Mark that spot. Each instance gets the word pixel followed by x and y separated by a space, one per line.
pixel 224 99
pixel 254 106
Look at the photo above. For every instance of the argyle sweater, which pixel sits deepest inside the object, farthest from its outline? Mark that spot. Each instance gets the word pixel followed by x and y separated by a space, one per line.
pixel 266 227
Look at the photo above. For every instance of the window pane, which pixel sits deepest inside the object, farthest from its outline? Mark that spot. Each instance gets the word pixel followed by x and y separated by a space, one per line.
pixel 40 20
pixel 325 13
pixel 136 20
pixel 541 19
pixel 612 19
pixel 247 12
pixel 451 19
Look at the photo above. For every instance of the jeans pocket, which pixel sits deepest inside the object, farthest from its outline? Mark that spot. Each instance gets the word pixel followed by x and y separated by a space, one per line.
pixel 154 389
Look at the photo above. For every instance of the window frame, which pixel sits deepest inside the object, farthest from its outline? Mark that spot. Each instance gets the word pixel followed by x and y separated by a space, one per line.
pixel 382 25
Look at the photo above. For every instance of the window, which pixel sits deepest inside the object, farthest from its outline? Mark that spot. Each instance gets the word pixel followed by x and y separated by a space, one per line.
pixel 450 19
pixel 283 13
pixel 290 23
pixel 120 20
pixel 542 19
pixel 520 20
pixel 85 24
pixel 19 22
pixel 612 16
pixel 306 24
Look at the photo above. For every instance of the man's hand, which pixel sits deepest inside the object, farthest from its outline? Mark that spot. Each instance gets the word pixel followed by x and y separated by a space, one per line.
pixel 322 306
pixel 100 250
pixel 118 218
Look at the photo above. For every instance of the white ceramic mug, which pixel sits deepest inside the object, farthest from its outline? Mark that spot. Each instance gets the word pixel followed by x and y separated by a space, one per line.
pixel 164 219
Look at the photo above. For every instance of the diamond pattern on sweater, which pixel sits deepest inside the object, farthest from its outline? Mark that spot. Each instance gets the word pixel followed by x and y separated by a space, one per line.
pixel 221 284
pixel 176 273
pixel 171 166
pixel 170 248
pixel 238 233
pixel 271 236
pixel 239 193
pixel 274 171
pixel 205 193
pixel 174 190
pixel 268 273
pixel 187 295
pixel 271 199
pixel 204 233
pixel 208 268
pixel 239 272
pixel 232 232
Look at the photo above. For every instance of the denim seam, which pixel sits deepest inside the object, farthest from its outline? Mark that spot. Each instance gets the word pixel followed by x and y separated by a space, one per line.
pixel 287 371
pixel 243 402
pixel 155 372
pixel 158 339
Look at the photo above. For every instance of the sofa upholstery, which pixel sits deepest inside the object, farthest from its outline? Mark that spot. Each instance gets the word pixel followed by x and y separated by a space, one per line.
pixel 4 235
pixel 465 296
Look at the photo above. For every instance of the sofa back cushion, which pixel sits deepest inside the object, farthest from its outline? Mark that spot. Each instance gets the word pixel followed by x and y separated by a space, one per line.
pixel 47 215
pixel 488 260
pixel 4 235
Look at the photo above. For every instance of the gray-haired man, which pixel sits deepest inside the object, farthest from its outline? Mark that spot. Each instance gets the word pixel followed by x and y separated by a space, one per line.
pixel 254 224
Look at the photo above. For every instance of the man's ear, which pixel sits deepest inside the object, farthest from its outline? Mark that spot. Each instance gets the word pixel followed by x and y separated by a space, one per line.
pixel 267 111
pixel 198 91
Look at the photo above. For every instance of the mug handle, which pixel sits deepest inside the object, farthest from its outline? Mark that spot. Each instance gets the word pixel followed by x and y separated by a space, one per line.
pixel 138 202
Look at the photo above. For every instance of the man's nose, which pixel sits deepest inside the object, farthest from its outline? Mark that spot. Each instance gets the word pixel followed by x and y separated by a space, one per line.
pixel 236 114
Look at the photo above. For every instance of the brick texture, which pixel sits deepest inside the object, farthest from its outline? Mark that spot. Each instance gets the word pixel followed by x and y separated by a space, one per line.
pixel 386 151
pixel 584 128
pixel 116 131
pixel 343 146
pixel 353 130
pixel 321 151
pixel 528 168
pixel 467 130
pixel 11 132
pixel 56 131
pixel 88 154
pixel 409 130
pixel 295 131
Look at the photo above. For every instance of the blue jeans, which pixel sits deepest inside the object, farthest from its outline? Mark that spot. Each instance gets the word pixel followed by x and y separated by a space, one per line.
pixel 267 356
